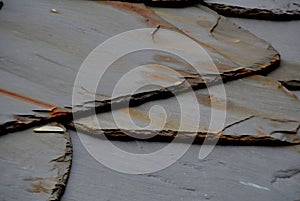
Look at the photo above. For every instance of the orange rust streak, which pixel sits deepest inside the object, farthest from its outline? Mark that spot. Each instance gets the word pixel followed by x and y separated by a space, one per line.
pixel 59 113
pixel 39 188
pixel 169 60
pixel 160 77
pixel 260 133
pixel 26 99
pixel 153 19
pixel 140 9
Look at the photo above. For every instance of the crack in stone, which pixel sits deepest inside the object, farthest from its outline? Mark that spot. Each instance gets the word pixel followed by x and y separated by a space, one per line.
pixel 295 131
pixel 52 180
pixel 215 25
pixel 237 122
pixel 181 136
pixel 293 85
pixel 285 174
pixel 196 82
pixel 228 10
pixel 66 117
pixel 64 172
pixel 154 32
pixel 253 13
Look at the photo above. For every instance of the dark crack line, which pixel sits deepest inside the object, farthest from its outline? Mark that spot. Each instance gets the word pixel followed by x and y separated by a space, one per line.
pixel 284 174
pixel 60 187
pixel 156 19
pixel 181 136
pixel 215 26
pixel 154 32
pixel 237 122
pixel 280 120
pixel 293 85
pixel 253 13
pixel 287 131
pixel 66 117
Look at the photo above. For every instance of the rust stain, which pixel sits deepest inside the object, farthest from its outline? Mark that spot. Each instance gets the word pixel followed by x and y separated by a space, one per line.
pixel 138 114
pixel 260 133
pixel 39 188
pixel 168 59
pixel 38 178
pixel 222 68
pixel 59 112
pixel 161 77
pixel 278 85
pixel 54 109
pixel 227 104
pixel 154 20
pixel 204 23
pixel 202 17
pixel 26 99
pixel 135 113
pixel 210 101
pixel 189 71
pixel 140 9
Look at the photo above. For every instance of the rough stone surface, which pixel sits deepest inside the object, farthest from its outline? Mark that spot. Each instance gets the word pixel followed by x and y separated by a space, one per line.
pixel 265 10
pixel 43 44
pixel 228 173
pixel 287 44
pixel 34 166
pixel 254 108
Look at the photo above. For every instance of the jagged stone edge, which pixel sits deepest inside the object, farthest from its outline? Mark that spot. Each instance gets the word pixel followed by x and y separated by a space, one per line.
pixel 182 136
pixel 253 13
pixel 60 186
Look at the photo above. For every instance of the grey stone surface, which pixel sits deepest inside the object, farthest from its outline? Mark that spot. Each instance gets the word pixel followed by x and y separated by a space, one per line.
pixel 274 10
pixel 228 173
pixel 284 39
pixel 263 4
pixel 43 50
pixel 43 44
pixel 34 166
pixel 255 106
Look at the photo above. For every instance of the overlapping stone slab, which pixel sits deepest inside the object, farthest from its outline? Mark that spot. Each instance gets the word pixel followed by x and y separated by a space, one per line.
pixel 285 42
pixel 259 111
pixel 54 55
pixel 19 112
pixel 57 51
pixel 209 30
pixel 34 166
pixel 264 10
pixel 43 45
pixel 229 173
